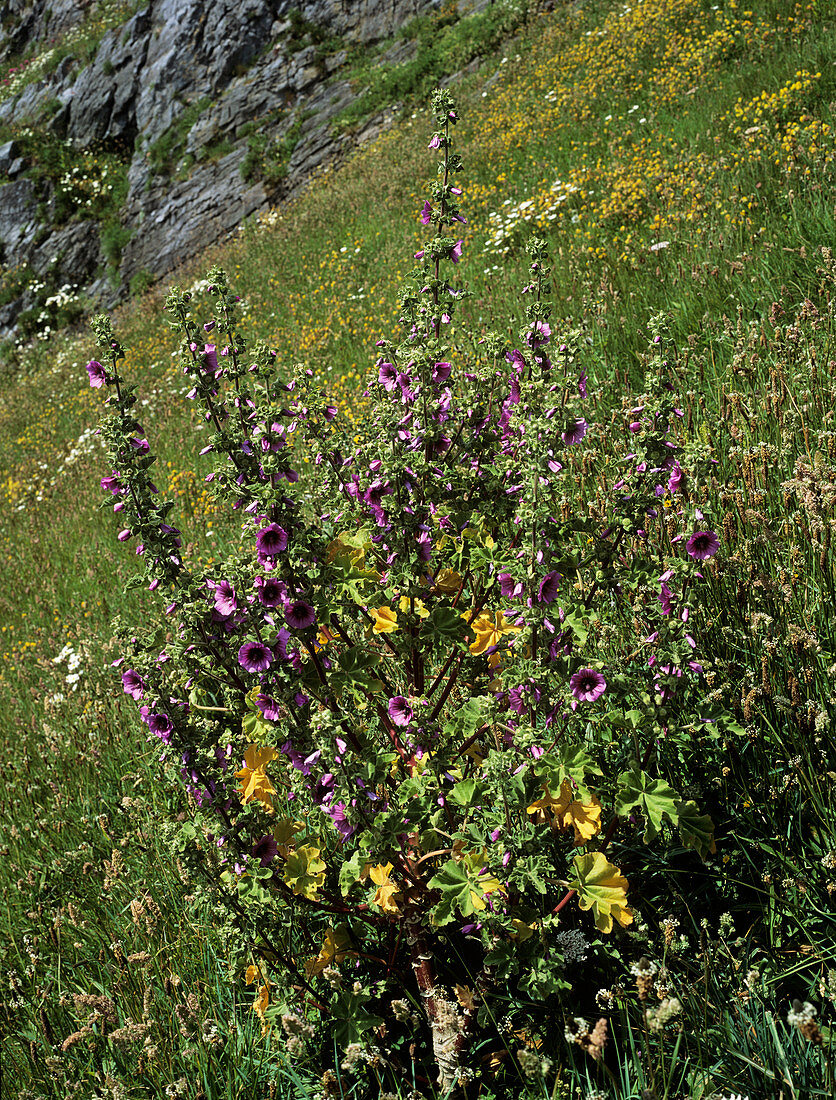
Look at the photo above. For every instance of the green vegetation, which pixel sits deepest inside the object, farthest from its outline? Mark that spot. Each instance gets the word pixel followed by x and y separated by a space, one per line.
pixel 164 153
pixel 267 158
pixel 443 42
pixel 79 43
pixel 679 160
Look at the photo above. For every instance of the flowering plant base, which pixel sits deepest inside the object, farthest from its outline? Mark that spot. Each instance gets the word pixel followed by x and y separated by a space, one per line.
pixel 410 755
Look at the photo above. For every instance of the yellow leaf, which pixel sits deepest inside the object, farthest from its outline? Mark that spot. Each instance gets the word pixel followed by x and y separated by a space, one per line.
pixel 522 931
pixel 253 974
pixel 584 818
pixel 387 890
pixel 417 606
pixel 448 581
pixel 385 620
pixel 333 950
pixel 285 829
pixel 262 1000
pixel 548 805
pixel 489 628
pixel 488 884
pixel 255 783
pixel 304 871
pixel 601 887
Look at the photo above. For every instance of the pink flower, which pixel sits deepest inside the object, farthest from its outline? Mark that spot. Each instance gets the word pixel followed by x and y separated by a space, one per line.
pixel 96 374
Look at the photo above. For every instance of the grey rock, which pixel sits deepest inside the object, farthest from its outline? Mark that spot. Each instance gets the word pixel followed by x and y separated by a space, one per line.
pixel 8 153
pixel 184 217
pixel 33 21
pixel 18 216
pixel 103 103
pixel 71 254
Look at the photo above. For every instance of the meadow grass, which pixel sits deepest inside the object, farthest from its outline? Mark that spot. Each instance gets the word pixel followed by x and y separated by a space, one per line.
pixel 679 157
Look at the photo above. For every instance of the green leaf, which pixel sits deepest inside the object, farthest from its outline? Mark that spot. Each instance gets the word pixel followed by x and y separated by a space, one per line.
pixel 568 762
pixel 445 622
pixel 467 719
pixel 578 627
pixel 351 870
pixel 652 797
pixel 358 659
pixel 696 829
pixel 464 792
pixel 454 883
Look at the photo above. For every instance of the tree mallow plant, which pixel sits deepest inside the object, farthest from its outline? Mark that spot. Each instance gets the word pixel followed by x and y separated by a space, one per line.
pixel 435 686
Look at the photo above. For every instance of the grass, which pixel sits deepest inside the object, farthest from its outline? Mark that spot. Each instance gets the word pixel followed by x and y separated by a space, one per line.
pixel 613 131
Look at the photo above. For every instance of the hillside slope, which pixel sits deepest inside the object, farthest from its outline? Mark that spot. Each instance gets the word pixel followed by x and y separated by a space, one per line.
pixel 134 135
pixel 680 159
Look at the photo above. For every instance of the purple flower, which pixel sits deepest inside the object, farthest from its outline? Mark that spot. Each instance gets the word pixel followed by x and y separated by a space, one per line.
pixel 387 376
pixel 273 440
pixel 426 214
pixel 225 599
pixel 456 251
pixel 255 657
pixel 210 357
pixel 96 373
pixel 664 598
pixel 582 384
pixel 702 545
pixel 133 684
pixel 336 811
pixel 587 685
pixel 160 725
pixel 435 142
pixel 510 588
pixel 548 587
pixel 270 541
pixel 675 481
pixel 575 431
pixel 424 547
pixel 400 711
pixel 271 592
pixel 266 849
pixel 140 445
pixel 441 372
pixel 112 484
pixel 269 707
pixel 299 615
pixel 539 335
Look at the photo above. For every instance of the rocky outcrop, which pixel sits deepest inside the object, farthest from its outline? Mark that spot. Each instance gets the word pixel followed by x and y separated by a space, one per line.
pixel 170 90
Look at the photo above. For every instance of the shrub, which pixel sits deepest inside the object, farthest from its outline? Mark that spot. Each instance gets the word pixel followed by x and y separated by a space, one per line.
pixel 436 690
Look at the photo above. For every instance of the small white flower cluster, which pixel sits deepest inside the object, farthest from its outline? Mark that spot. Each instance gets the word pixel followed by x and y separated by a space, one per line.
pixel 73 659
pixel 83 189
pixel 504 223
pixel 64 296
pixel 85 445
pixel 801 1015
